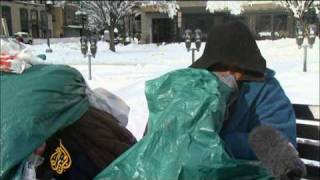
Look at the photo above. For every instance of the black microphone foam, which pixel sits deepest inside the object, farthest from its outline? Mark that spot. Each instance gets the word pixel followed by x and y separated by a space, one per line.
pixel 276 153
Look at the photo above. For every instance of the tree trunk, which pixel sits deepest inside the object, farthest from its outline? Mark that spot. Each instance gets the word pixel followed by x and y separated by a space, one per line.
pixel 111 37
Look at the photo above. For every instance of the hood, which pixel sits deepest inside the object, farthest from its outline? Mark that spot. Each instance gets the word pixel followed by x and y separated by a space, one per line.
pixel 233 44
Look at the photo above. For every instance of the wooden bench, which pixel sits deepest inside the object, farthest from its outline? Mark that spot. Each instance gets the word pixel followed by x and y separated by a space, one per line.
pixel 308 138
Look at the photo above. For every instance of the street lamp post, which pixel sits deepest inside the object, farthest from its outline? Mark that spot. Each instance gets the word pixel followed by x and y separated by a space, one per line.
pixel 48 7
pixel 310 34
pixel 196 36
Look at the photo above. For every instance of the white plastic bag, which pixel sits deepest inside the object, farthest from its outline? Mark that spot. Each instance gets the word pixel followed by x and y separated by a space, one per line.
pixel 104 100
pixel 34 160
pixel 15 57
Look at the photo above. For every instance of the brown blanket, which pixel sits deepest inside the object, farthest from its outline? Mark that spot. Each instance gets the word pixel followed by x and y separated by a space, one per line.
pixel 92 142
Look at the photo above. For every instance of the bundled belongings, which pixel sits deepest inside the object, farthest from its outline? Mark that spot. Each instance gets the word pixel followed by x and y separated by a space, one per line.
pixel 186 114
pixel 91 143
pixel 15 57
pixel 49 127
pixel 34 105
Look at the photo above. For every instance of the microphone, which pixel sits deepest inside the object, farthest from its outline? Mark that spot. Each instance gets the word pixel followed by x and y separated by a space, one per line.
pixel 276 153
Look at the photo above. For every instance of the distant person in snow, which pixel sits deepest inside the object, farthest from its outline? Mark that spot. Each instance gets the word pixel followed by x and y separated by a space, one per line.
pixel 232 53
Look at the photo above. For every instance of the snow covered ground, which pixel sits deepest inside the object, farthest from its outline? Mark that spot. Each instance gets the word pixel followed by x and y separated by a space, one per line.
pixel 125 71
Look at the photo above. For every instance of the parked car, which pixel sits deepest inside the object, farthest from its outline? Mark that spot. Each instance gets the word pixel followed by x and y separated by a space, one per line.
pixel 24 37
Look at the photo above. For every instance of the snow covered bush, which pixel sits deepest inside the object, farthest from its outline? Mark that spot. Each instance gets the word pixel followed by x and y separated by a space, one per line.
pixel 299 8
pixel 235 7
pixel 168 7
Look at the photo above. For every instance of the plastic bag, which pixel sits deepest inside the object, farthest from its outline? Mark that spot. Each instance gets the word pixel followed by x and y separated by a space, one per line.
pixel 186 113
pixel 106 101
pixel 29 171
pixel 15 57
pixel 10 64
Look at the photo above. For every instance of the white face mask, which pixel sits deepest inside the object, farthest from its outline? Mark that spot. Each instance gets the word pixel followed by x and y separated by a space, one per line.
pixel 231 82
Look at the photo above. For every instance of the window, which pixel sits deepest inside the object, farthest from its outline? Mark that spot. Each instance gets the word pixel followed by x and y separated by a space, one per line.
pixel 201 21
pixel 263 23
pixel 43 23
pixel 53 18
pixel 6 14
pixel 34 15
pixel 24 20
pixel 43 18
pixel 280 23
pixel 42 1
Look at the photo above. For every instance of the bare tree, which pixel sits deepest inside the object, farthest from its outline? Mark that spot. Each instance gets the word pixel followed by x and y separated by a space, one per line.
pixel 300 8
pixel 235 7
pixel 106 15
pixel 297 7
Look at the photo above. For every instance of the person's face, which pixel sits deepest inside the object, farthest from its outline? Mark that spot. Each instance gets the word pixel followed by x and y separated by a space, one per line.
pixel 229 70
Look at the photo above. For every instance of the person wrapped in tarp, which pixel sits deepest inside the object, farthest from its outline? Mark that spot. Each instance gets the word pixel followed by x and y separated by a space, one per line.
pixel 188 109
pixel 53 126
pixel 186 112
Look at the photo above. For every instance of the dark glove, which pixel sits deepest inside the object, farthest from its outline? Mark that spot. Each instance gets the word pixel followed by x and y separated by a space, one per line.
pixel 276 153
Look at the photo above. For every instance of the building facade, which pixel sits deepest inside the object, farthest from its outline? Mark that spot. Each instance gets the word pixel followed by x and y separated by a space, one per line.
pixel 27 16
pixel 57 21
pixel 157 27
pixel 65 22
pixel 269 17
pixel 34 18
pixel 72 23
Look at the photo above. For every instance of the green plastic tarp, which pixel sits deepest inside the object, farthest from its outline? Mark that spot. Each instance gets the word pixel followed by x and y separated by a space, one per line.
pixel 34 105
pixel 186 113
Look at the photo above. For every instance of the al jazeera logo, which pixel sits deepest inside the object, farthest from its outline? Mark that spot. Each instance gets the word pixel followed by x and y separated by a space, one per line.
pixel 60 160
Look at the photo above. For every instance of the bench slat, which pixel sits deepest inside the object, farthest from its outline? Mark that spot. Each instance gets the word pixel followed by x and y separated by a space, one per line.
pixel 308 122
pixel 308 131
pixel 313 172
pixel 306 112
pixel 309 152
pixel 308 141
